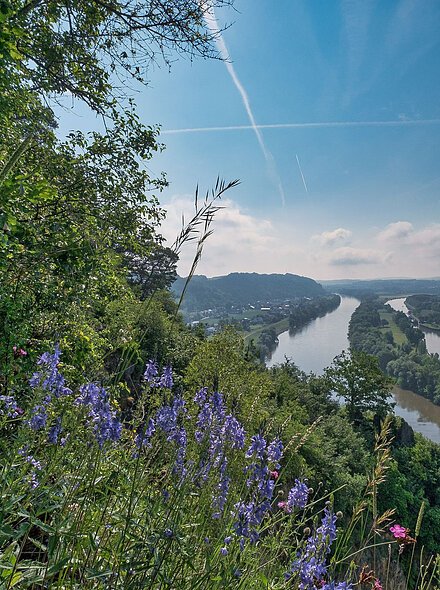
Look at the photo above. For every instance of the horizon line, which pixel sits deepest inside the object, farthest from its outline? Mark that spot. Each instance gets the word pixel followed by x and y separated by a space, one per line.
pixel 306 125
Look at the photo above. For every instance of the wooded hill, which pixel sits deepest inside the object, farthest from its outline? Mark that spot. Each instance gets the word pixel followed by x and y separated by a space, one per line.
pixel 244 288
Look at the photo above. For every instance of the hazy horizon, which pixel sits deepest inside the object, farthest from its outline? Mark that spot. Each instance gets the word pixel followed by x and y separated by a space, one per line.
pixel 318 280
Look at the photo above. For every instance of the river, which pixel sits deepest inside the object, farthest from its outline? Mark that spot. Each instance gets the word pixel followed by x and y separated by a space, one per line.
pixel 314 347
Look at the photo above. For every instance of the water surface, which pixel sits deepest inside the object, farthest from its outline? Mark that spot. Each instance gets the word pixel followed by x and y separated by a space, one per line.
pixel 314 347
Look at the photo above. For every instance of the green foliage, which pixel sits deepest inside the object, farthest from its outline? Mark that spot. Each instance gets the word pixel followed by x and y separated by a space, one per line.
pixel 357 379
pixel 309 309
pixel 82 263
pixel 408 362
pixel 67 210
pixel 89 516
pixel 88 48
pixel 426 308
pixel 219 364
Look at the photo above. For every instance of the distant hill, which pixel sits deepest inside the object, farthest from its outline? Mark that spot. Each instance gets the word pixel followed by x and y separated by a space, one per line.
pixel 384 286
pixel 244 288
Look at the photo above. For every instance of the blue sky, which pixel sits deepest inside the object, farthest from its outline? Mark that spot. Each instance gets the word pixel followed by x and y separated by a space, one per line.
pixel 355 199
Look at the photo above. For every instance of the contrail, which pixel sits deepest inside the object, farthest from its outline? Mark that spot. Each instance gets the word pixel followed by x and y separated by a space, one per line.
pixel 211 21
pixel 307 125
pixel 301 172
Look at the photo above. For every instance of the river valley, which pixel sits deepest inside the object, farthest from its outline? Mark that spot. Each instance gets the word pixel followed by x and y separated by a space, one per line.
pixel 314 347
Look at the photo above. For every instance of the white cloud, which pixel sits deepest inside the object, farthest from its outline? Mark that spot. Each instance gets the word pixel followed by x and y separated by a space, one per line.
pixel 331 238
pixel 244 242
pixel 357 256
pixel 240 242
pixel 422 242
pixel 398 230
pixel 427 239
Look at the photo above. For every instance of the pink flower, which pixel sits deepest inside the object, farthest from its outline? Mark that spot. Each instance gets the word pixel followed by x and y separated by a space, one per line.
pixel 282 505
pixel 274 474
pixel 377 585
pixel 399 532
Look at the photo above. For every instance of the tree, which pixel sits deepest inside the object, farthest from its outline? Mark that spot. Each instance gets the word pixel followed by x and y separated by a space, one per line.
pixel 154 272
pixel 357 379
pixel 66 209
pixel 74 214
pixel 89 48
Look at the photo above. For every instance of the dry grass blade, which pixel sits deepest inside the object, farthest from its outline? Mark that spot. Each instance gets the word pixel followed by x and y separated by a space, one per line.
pixel 383 453
pixel 304 437
pixel 198 227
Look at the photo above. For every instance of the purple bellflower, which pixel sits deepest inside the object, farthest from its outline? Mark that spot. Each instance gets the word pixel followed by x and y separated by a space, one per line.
pixel 9 407
pixel 298 495
pixel 102 418
pixel 310 565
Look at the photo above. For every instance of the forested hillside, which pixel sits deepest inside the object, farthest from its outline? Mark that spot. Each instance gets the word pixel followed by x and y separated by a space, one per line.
pixel 390 287
pixel 244 288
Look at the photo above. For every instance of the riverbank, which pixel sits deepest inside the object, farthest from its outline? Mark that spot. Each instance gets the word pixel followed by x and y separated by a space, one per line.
pixel 373 330
pixel 314 347
pixel 425 309
pixel 279 327
pixel 432 337
pixel 265 338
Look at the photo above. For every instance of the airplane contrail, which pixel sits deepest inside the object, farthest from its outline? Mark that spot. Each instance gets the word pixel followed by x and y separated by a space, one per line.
pixel 212 24
pixel 306 125
pixel 301 172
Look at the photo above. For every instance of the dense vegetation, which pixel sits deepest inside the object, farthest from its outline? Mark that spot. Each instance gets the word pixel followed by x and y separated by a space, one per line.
pixel 426 309
pixel 135 453
pixel 391 336
pixel 238 289
pixel 178 491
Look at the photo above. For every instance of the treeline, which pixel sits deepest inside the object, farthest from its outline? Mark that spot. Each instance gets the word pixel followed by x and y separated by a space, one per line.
pixel 389 287
pixel 310 309
pixel 426 308
pixel 391 336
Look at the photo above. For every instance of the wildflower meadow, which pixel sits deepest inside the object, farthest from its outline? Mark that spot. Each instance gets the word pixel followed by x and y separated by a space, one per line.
pixel 176 495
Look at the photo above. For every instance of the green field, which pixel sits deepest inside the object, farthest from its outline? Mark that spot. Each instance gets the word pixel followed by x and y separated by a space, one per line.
pixel 398 335
pixel 279 327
